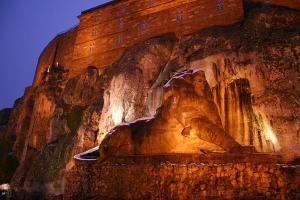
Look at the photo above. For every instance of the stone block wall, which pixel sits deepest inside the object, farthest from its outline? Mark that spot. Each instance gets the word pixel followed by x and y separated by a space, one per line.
pixel 155 178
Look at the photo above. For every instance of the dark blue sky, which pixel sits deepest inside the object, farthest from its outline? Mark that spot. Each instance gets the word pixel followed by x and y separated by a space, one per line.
pixel 26 28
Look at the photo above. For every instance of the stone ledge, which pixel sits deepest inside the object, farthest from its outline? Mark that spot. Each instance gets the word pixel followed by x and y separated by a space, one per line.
pixel 186 158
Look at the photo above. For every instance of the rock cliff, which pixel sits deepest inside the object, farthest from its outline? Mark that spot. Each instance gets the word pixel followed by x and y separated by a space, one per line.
pixel 250 75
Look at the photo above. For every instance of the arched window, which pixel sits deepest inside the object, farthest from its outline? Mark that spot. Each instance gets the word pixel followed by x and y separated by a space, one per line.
pixel 219 5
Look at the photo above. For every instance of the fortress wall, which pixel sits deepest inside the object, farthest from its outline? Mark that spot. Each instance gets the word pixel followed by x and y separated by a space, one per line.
pixel 106 31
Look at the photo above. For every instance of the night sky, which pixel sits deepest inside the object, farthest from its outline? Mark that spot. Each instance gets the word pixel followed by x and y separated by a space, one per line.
pixel 26 28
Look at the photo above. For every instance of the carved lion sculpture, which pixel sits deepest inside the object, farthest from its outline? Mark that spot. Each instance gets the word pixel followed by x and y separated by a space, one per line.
pixel 187 121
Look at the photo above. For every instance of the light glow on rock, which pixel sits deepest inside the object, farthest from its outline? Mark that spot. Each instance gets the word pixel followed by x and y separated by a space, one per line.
pixel 117 113
pixel 270 134
pixel 5 186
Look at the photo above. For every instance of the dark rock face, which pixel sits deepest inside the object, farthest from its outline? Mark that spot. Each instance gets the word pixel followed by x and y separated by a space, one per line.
pixel 247 93
pixel 83 90
pixel 8 162
pixel 4 116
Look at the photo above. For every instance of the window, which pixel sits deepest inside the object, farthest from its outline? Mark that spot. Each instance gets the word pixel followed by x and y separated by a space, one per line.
pixel 122 10
pixel 119 39
pixel 120 23
pixel 266 5
pixel 151 2
pixel 144 25
pixel 94 32
pixel 219 5
pixel 179 16
pixel 96 18
pixel 91 47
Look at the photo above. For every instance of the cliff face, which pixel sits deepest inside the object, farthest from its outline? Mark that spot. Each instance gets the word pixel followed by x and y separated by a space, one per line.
pixel 251 71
